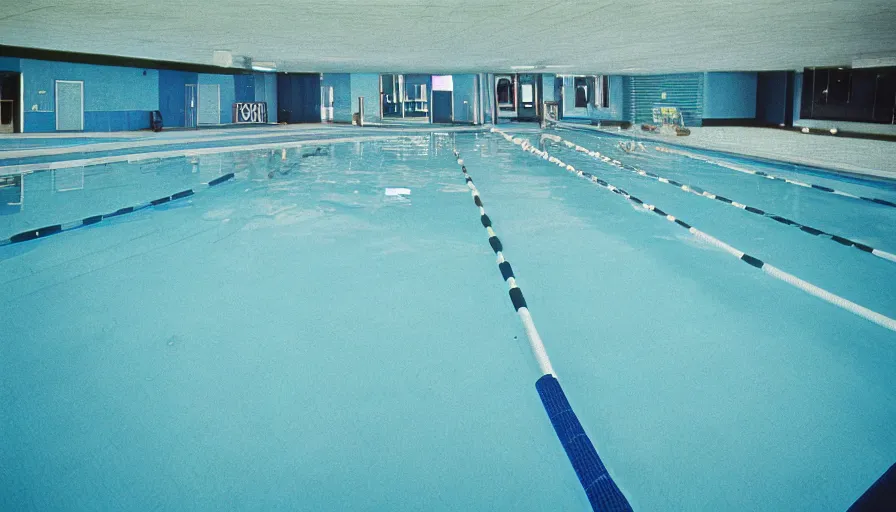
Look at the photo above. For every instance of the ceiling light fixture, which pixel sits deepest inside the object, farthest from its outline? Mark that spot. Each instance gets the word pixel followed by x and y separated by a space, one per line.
pixel 264 66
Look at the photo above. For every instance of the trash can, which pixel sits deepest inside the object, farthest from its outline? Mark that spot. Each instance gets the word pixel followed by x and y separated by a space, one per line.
pixel 155 121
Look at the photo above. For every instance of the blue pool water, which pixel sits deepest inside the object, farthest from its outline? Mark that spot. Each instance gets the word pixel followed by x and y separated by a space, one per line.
pixel 295 339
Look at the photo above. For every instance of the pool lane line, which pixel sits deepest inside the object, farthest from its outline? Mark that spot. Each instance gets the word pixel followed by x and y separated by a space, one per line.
pixel 601 490
pixel 699 191
pixel 846 304
pixel 765 175
pixel 43 232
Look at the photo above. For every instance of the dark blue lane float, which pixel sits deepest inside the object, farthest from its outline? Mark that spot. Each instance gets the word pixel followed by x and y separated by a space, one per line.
pixel 33 234
pixel 602 492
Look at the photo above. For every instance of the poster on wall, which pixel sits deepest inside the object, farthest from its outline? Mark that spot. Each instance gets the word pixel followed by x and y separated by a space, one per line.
pixel 250 112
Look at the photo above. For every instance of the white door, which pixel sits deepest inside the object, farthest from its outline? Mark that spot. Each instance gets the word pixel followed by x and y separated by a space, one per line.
pixel 209 104
pixel 69 105
pixel 326 103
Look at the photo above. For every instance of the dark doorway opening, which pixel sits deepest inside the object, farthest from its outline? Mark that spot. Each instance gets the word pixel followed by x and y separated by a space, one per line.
pixel 10 109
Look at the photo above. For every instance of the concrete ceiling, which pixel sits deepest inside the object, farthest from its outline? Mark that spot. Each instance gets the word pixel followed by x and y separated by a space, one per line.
pixel 585 36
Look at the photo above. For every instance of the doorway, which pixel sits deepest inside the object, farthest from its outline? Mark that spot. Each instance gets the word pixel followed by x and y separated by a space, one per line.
pixel 392 93
pixel 529 97
pixel 406 97
pixel 69 105
pixel 442 99
pixel 10 102
pixel 505 95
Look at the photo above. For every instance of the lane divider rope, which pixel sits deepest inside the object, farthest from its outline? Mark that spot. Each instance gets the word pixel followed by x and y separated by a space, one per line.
pixel 765 175
pixel 602 491
pixel 852 307
pixel 42 232
pixel 698 191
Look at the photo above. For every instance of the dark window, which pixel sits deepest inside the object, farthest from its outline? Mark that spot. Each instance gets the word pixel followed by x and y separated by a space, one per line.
pixel 604 91
pixel 505 91
pixel 820 87
pixel 838 87
pixel 581 84
pixel 840 94
pixel 885 98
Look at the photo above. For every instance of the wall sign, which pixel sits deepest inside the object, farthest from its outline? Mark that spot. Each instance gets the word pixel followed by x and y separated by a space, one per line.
pixel 250 112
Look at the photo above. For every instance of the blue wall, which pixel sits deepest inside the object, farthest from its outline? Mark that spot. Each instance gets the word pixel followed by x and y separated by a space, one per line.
pixel 464 90
pixel 172 95
pixel 729 95
pixel 488 97
pixel 243 88
pixel 771 97
pixel 547 87
pixel 298 97
pixel 114 97
pixel 226 88
pixel 882 129
pixel 342 96
pixel 9 64
pixel 120 98
pixel 266 91
pixel 368 86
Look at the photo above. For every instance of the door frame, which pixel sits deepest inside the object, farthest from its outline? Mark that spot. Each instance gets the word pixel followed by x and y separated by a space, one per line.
pixel 191 112
pixel 56 100
pixel 432 107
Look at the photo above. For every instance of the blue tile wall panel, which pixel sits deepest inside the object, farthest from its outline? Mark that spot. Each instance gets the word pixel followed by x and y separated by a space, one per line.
pixel 244 88
pixel 729 95
pixel 9 64
pixel 797 95
pixel 106 88
pixel 342 95
pixel 547 87
pixel 368 86
pixel 40 122
pixel 771 97
pixel 172 95
pixel 266 91
pixel 464 91
pixel 488 96
pixel 298 97
pixel 270 95
pixel 116 121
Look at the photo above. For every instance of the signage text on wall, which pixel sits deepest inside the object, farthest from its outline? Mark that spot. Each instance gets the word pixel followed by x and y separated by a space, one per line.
pixel 250 112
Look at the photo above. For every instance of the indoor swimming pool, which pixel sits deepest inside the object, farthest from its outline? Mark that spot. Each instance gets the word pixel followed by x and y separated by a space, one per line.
pixel 322 326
